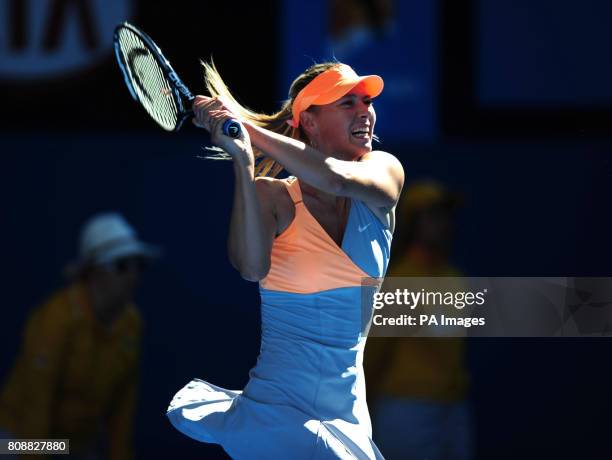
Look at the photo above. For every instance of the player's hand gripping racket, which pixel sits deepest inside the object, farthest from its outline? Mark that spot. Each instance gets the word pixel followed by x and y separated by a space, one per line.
pixel 153 82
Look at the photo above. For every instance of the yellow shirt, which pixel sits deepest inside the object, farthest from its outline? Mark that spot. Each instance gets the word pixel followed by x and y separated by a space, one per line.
pixel 420 368
pixel 73 378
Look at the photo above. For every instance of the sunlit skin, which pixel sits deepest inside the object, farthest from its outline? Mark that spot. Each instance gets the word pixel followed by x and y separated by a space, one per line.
pixel 331 127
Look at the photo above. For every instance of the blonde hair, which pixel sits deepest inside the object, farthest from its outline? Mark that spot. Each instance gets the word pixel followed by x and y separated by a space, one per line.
pixel 276 122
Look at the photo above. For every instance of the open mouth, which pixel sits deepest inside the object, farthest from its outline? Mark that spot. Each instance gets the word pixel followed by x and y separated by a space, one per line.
pixel 361 133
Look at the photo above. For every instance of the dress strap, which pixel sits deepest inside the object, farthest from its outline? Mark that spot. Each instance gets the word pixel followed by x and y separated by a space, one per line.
pixel 293 187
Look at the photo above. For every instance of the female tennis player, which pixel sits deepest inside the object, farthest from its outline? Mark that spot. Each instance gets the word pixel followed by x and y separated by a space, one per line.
pixel 309 240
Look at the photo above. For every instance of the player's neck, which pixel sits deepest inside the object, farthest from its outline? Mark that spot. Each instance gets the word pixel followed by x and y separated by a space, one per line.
pixel 318 194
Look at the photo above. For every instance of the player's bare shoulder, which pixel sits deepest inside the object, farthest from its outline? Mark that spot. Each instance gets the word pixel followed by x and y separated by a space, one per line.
pixel 387 158
pixel 275 192
pixel 386 165
pixel 271 188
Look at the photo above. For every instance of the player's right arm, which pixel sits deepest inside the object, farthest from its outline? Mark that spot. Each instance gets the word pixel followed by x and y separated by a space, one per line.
pixel 253 222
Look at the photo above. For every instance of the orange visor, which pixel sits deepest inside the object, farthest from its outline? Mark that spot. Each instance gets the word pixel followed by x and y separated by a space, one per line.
pixel 330 86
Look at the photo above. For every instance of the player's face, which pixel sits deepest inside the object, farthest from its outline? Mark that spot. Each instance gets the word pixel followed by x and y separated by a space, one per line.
pixel 345 127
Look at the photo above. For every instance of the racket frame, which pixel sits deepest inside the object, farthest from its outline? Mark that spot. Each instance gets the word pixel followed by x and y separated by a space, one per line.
pixel 179 89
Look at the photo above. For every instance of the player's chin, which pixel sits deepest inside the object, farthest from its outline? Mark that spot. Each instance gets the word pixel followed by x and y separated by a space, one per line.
pixel 360 149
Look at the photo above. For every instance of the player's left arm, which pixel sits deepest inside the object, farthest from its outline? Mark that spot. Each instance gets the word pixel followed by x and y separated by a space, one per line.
pixel 376 179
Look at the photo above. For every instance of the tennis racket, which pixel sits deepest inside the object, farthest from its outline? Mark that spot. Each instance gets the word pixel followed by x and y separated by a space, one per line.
pixel 153 82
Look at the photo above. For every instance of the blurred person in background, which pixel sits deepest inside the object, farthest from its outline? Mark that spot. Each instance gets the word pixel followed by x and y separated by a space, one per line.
pixel 417 386
pixel 76 375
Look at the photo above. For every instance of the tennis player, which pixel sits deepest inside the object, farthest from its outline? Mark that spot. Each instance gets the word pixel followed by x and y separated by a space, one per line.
pixel 309 240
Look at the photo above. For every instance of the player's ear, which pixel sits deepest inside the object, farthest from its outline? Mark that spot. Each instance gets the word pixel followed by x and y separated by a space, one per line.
pixel 309 123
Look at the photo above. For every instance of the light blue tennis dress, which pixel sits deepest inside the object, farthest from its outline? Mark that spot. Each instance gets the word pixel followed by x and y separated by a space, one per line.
pixel 305 399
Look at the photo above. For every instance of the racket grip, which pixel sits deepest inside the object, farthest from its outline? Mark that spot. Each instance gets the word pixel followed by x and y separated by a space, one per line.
pixel 232 128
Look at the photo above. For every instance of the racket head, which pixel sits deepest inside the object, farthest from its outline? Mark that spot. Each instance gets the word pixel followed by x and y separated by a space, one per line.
pixel 150 78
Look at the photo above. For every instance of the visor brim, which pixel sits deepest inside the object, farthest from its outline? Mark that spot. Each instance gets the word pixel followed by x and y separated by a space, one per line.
pixel 373 85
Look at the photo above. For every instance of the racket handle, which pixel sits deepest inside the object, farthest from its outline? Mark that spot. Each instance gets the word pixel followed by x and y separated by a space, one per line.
pixel 232 128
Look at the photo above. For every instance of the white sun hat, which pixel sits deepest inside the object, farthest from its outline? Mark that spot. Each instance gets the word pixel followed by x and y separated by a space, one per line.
pixel 107 237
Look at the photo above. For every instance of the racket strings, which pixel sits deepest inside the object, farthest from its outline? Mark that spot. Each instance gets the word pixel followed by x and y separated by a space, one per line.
pixel 150 84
